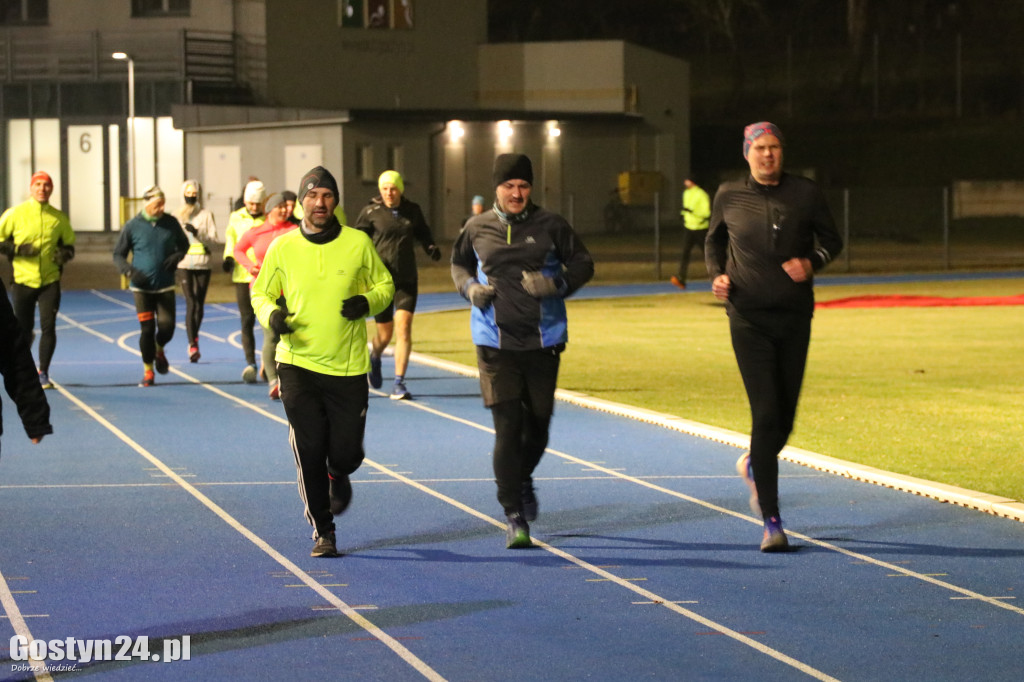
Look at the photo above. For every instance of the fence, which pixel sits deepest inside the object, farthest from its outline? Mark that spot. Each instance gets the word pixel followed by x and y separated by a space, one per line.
pixel 884 230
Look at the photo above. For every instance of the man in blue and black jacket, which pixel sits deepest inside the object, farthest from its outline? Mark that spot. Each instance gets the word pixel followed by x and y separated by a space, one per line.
pixel 515 264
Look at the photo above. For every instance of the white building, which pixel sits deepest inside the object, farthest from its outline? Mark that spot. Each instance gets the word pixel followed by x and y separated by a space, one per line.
pixel 225 89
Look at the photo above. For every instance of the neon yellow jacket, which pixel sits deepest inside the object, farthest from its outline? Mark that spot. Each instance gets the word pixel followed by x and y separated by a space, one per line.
pixel 43 226
pixel 314 279
pixel 238 223
pixel 696 208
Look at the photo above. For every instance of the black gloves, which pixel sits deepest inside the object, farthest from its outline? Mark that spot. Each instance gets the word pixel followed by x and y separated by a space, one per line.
pixel 480 295
pixel 278 322
pixel 540 286
pixel 192 228
pixel 171 262
pixel 27 249
pixel 63 254
pixel 434 252
pixel 138 278
pixel 355 308
pixel 229 264
pixel 7 249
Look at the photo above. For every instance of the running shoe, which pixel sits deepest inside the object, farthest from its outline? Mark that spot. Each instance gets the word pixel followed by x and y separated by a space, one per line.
pixel 44 380
pixel 160 362
pixel 517 535
pixel 325 546
pixel 746 471
pixel 275 390
pixel 374 377
pixel 148 378
pixel 400 392
pixel 774 537
pixel 193 352
pixel 680 284
pixel 528 502
pixel 249 374
pixel 341 494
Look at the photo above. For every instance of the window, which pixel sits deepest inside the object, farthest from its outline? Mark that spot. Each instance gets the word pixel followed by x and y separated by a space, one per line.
pixel 161 8
pixel 21 12
pixel 364 163
pixel 388 14
pixel 396 157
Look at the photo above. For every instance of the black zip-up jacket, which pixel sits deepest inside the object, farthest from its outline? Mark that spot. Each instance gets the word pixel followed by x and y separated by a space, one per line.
pixel 756 228
pixel 491 251
pixel 393 235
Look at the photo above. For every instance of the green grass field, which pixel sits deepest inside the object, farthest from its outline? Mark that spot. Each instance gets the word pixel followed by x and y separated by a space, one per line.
pixel 935 393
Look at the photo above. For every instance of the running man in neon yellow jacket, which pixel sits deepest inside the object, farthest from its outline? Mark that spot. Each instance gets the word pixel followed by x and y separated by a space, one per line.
pixel 330 279
pixel 38 239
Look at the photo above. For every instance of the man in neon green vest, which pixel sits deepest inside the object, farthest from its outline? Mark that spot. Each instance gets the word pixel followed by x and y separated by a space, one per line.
pixel 696 212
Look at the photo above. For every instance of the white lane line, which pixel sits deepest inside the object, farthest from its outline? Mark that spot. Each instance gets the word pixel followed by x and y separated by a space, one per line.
pixel 639 481
pixel 13 614
pixel 728 512
pixel 995 505
pixel 622 582
pixel 389 641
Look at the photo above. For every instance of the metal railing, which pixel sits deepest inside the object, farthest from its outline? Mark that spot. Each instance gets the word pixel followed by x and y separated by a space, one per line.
pixel 180 55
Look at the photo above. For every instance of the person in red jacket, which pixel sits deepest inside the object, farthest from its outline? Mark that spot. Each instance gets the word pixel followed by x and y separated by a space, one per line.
pixel 249 252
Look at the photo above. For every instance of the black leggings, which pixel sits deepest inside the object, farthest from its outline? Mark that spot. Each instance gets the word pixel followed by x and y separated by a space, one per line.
pixel 691 238
pixel 248 317
pixel 519 387
pixel 771 351
pixel 194 284
pixel 156 319
pixel 48 298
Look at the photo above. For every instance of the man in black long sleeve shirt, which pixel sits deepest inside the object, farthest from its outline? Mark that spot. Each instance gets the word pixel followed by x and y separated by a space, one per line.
pixel 768 235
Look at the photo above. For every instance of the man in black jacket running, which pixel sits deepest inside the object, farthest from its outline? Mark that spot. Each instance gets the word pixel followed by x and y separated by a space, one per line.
pixel 768 235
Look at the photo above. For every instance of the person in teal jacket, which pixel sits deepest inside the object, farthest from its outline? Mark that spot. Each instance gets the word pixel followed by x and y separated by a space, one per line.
pixel 38 239
pixel 157 244
pixel 331 279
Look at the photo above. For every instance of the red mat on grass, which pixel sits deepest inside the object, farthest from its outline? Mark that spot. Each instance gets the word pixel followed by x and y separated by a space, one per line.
pixel 896 301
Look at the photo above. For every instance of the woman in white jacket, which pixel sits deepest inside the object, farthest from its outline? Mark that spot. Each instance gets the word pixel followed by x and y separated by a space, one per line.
pixel 194 270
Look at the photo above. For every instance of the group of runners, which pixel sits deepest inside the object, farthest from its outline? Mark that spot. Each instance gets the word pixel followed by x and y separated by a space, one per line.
pixel 311 281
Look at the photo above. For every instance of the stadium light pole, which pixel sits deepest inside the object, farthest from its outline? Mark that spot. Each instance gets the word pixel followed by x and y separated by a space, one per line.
pixel 131 117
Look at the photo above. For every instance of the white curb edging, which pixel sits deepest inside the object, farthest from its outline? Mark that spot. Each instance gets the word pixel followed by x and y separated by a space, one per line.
pixel 990 504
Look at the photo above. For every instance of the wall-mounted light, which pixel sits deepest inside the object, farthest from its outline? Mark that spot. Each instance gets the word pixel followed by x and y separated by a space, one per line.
pixel 505 131
pixel 553 130
pixel 456 131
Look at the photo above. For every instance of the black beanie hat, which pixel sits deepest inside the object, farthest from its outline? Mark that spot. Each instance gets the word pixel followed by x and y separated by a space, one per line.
pixel 318 177
pixel 512 167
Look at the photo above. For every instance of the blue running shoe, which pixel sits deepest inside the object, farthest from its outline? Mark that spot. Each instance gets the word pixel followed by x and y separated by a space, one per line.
pixel 374 377
pixel 774 537
pixel 400 392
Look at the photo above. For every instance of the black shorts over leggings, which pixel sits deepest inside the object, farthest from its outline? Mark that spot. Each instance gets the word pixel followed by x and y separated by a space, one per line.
pixel 405 299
